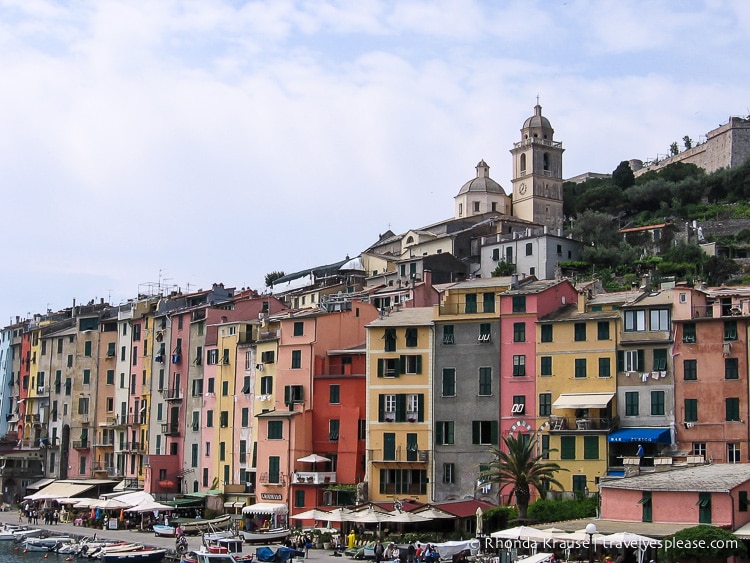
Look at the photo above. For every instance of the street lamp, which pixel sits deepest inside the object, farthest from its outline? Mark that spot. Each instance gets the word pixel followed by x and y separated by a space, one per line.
pixel 591 530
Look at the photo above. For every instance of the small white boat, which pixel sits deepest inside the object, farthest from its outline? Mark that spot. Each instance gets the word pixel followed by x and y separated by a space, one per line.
pixel 51 543
pixel 20 535
pixel 219 550
pixel 266 536
pixel 146 555
pixel 7 532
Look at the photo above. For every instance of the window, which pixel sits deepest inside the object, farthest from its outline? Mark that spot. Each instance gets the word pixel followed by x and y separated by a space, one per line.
pixel 635 321
pixel 731 368
pixel 211 385
pixel 579 330
pixel 86 376
pixel 659 319
pixel 411 337
pixel 390 340
pixel 604 367
pixel 591 447
pixel 545 446
pixel 488 302
pixel 529 249
pixel 388 367
pixel 275 430
pixel 732 408
pixel 545 365
pixel 296 359
pixel 334 394
pixel 688 333
pixel 225 387
pixel 630 360
pixel 274 462
pixel 299 498
pixel 567 447
pixel 730 330
pixel 471 303
pixel 546 333
pixel 519 303
pixel 224 419
pixel 83 405
pixel 485 332
pixel 691 410
pixel 660 359
pixel 631 403
pixel 519 365
pixel 484 432
pixel 657 403
pixel 519 404
pixel 212 357
pixel 110 377
pixel 410 364
pixel 519 332
pixel 704 506
pixel 246 385
pixel 333 429
pixel 580 367
pixel 545 404
pixel 743 501
pixel 197 387
pixel 448 337
pixel 699 448
pixel 209 418
pixel 293 394
pixel 485 382
pixel 267 357
pixel 222 451
pixel 449 382
pixel 444 432
pixel 602 330
pixel 449 470
pixel 645 502
pixel 690 367
pixel 733 452
pixel 245 417
pixel 299 328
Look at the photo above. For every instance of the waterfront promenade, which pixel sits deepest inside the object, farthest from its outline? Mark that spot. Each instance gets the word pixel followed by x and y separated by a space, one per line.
pixel 146 538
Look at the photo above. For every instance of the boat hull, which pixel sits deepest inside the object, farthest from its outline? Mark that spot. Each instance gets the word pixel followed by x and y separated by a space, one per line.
pixel 268 536
pixel 144 556
pixel 197 526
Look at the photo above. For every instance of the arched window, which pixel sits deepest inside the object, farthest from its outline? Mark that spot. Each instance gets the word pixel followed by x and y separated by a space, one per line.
pixel 522 164
pixel 546 161
pixel 410 240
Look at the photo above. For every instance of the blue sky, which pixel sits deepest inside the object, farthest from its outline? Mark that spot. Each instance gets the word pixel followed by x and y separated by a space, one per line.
pixel 191 142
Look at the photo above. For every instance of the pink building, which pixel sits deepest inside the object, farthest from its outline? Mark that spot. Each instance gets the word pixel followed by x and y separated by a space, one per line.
pixel 520 309
pixel 716 494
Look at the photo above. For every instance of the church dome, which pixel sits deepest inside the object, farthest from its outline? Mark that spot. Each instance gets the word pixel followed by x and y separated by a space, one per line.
pixel 482 183
pixel 537 120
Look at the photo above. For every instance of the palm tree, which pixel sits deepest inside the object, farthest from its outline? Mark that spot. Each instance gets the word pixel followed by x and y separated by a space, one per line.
pixel 522 469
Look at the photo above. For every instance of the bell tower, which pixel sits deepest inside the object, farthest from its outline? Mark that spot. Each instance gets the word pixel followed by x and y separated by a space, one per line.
pixel 537 173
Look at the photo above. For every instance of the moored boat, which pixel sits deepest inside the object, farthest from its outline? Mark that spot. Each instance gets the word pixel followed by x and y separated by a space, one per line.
pixel 147 555
pixel 51 543
pixel 266 536
pixel 196 526
pixel 216 549
pixel 161 530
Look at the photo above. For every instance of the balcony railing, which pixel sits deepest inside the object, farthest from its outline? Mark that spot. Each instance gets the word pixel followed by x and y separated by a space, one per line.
pixel 81 444
pixel 314 477
pixel 30 418
pixel 170 429
pixel 399 455
pixel 576 424
pixel 537 141
pixel 174 394
pixel 129 446
pixel 277 479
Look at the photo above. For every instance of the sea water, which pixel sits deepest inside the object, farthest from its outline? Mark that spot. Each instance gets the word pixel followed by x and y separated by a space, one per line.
pixel 12 552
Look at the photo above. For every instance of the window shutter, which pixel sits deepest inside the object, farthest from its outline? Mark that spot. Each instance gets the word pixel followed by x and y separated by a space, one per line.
pixel 287 393
pixel 400 408
pixel 475 432
pixel 439 433
pixel 450 432
pixel 381 408
pixel 401 364
pixel 380 367
pixel 397 367
pixel 620 361
pixel 420 409
pixel 641 360
pixel 494 435
pixel 419 364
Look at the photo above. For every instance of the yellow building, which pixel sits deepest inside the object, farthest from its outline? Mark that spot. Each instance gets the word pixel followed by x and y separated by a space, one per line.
pixel 399 399
pixel 576 387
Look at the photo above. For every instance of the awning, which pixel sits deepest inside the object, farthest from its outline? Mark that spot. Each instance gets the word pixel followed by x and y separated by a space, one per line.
pixel 36 485
pixel 743 532
pixel 265 508
pixel 59 490
pixel 647 435
pixel 582 400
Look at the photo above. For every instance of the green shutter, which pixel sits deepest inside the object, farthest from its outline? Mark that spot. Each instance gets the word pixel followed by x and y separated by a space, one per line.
pixel 450 432
pixel 287 394
pixel 400 407
pixel 419 364
pixel 401 367
pixel 380 367
pixel 381 408
pixel 494 435
pixel 420 409
pixel 475 433
pixel 620 361
pixel 641 360
pixel 439 433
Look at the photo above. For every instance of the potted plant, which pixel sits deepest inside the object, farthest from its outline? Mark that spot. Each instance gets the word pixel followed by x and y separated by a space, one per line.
pixel 325 539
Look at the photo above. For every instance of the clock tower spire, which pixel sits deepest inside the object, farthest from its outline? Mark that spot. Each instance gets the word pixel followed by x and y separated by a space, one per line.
pixel 537 173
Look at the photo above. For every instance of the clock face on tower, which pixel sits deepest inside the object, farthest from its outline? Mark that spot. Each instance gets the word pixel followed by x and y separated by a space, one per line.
pixel 522 189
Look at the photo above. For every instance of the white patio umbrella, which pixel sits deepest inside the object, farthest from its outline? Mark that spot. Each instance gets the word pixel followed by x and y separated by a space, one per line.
pixel 150 506
pixel 480 520
pixel 85 502
pixel 628 539
pixel 434 513
pixel 313 458
pixel 370 516
pixel 523 533
pixel 338 515
pixel 110 504
pixel 313 514
pixel 406 517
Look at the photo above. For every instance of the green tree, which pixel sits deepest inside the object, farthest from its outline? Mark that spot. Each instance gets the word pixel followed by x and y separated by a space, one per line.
pixel 719 270
pixel 272 277
pixel 595 228
pixel 674 149
pixel 504 269
pixel 623 176
pixel 702 542
pixel 688 142
pixel 521 469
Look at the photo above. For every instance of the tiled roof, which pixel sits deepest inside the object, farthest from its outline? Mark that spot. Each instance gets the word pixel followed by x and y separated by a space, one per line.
pixel 703 478
pixel 406 317
pixel 463 508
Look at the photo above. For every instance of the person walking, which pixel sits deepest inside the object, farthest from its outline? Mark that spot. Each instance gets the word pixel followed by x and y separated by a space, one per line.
pixel 379 550
pixel 411 553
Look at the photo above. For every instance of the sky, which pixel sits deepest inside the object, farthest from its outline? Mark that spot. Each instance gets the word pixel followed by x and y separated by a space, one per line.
pixel 171 144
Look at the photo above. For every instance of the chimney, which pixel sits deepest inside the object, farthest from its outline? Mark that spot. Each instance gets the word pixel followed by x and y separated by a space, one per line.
pixel 514 281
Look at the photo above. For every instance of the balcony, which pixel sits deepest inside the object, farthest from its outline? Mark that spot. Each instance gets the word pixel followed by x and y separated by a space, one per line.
pixel 21 471
pixel 32 418
pixel 129 446
pixel 174 394
pixel 170 429
pixel 278 479
pixel 399 455
pixel 537 141
pixel 136 419
pixel 268 335
pixel 314 477
pixel 81 445
pixel 101 467
pixel 572 424
pixel 113 472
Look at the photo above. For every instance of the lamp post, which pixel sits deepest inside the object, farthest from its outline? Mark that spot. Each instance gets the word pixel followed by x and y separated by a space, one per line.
pixel 591 530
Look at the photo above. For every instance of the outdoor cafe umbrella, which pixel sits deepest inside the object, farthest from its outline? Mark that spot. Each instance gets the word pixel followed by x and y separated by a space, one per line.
pixel 338 515
pixel 480 520
pixel 524 533
pixel 313 458
pixel 312 514
pixel 434 513
pixel 406 517
pixel 110 504
pixel 628 539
